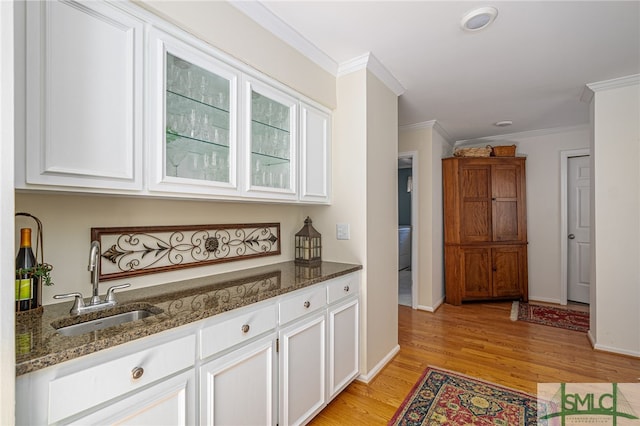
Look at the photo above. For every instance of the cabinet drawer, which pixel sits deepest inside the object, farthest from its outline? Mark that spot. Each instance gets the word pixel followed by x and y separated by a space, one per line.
pixel 89 387
pixel 302 304
pixel 241 327
pixel 342 287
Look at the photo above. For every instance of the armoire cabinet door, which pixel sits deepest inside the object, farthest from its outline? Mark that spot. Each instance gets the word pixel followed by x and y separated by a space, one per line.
pixel 506 193
pixel 475 204
pixel 476 272
pixel 507 264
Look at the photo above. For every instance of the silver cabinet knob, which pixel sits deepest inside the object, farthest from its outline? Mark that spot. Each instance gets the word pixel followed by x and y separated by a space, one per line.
pixel 137 372
pixel 307 304
pixel 346 288
pixel 571 236
pixel 245 328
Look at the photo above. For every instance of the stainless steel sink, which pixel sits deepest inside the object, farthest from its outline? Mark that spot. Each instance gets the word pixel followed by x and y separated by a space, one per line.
pixel 102 323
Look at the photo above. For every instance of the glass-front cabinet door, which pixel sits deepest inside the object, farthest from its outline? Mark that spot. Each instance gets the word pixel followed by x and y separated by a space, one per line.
pixel 272 140
pixel 194 134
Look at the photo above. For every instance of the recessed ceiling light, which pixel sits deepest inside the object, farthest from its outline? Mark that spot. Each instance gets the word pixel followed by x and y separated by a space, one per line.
pixel 503 123
pixel 479 18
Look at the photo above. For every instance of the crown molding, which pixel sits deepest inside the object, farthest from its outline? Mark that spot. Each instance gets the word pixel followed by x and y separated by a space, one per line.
pixel 370 62
pixel 521 135
pixel 615 83
pixel 431 124
pixel 269 21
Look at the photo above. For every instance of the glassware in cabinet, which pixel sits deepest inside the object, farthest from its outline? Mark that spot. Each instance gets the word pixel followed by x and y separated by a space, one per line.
pixel 198 122
pixel 272 141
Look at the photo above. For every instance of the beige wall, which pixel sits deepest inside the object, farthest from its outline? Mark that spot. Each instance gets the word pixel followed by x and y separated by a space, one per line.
pixel 226 28
pixel 382 221
pixel 365 197
pixel 68 219
pixel 616 219
pixel 430 147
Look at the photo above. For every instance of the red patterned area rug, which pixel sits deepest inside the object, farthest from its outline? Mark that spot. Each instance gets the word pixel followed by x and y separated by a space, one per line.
pixel 446 398
pixel 549 315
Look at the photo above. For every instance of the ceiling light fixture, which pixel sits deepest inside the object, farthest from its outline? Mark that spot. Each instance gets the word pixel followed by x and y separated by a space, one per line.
pixel 479 18
pixel 503 123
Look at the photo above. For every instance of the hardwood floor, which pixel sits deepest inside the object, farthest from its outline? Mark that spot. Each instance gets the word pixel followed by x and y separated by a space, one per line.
pixel 481 341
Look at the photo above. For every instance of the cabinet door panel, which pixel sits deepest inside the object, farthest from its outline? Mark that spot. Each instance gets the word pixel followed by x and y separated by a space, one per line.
pixel 84 96
pixel 171 402
pixel 238 389
pixel 476 272
pixel 506 192
pixel 475 197
pixel 343 346
pixel 506 280
pixel 192 126
pixel 505 218
pixel 302 371
pixel 271 132
pixel 315 154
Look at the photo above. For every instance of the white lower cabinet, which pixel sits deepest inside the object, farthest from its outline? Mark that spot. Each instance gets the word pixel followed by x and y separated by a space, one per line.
pixel 166 403
pixel 276 362
pixel 343 346
pixel 239 388
pixel 302 370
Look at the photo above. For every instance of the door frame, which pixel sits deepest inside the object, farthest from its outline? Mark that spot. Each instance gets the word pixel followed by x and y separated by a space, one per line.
pixel 413 155
pixel 564 217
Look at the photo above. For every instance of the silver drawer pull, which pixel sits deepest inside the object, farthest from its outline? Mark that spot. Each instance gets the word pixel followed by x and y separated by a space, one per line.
pixel 307 304
pixel 245 328
pixel 346 288
pixel 137 372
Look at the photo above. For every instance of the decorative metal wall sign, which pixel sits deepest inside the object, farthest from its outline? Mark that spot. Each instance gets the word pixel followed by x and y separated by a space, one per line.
pixel 129 251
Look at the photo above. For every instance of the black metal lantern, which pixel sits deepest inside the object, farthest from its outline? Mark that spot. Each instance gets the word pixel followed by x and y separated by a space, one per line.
pixel 308 245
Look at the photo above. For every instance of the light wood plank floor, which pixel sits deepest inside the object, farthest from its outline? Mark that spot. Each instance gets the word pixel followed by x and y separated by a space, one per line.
pixel 481 341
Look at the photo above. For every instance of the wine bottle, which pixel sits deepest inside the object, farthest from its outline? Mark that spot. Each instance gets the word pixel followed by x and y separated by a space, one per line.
pixel 26 284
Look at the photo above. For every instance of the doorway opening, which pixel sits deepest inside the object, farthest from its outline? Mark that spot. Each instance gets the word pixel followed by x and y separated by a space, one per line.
pixel 575 221
pixel 407 229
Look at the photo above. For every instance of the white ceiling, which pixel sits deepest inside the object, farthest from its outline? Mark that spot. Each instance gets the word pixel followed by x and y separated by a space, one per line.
pixel 530 66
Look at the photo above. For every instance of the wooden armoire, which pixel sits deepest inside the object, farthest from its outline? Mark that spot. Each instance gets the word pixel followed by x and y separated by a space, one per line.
pixel 485 228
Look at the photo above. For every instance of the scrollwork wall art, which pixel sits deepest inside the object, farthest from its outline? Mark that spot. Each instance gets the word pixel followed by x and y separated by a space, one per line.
pixel 130 251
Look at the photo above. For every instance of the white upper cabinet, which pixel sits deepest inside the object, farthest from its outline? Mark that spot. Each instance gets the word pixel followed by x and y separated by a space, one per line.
pixel 120 101
pixel 192 133
pixel 84 110
pixel 315 154
pixel 271 118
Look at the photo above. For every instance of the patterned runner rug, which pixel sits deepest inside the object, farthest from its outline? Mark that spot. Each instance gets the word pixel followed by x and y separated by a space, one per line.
pixel 550 315
pixel 443 397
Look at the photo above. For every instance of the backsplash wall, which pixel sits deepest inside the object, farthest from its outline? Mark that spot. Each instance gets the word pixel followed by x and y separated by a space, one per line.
pixel 67 221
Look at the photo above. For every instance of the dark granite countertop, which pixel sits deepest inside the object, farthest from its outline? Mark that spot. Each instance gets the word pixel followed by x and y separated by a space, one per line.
pixel 39 345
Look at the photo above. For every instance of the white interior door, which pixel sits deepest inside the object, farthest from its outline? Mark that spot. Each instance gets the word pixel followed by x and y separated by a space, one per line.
pixel 578 243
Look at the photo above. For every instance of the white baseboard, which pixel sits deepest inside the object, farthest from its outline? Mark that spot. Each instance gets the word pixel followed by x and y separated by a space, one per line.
pixel 431 308
pixel 545 299
pixel 366 378
pixel 604 348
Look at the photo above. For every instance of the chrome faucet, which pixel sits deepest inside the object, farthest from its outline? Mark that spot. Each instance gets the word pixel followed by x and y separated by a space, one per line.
pixel 94 268
pixel 96 303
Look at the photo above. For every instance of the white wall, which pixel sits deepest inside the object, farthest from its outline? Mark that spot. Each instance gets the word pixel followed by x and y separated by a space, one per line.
pixel 616 219
pixel 543 150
